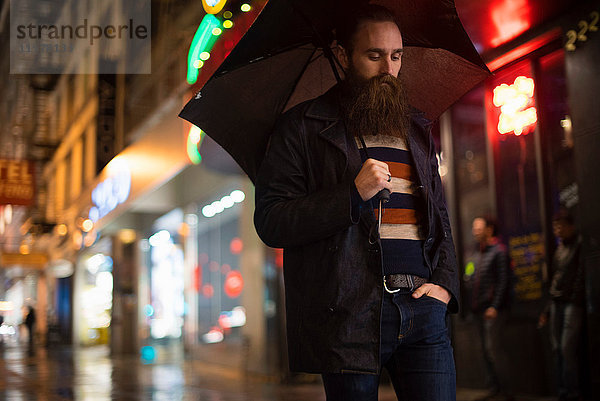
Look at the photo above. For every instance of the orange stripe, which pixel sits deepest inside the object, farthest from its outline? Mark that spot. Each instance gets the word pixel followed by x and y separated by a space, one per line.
pixel 400 170
pixel 397 216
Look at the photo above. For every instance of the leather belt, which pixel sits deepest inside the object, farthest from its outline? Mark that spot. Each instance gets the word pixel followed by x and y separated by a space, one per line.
pixel 396 282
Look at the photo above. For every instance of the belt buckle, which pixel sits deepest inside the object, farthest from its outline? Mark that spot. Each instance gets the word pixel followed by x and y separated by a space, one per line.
pixel 387 289
pixel 409 279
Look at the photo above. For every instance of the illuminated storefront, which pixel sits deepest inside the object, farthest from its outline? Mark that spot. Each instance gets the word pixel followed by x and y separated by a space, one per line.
pixel 510 150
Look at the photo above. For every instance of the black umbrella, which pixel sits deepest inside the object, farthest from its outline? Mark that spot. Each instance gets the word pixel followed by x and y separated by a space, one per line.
pixel 280 62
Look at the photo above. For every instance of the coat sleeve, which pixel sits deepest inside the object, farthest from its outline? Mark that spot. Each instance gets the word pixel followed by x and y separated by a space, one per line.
pixel 287 214
pixel 445 273
pixel 501 270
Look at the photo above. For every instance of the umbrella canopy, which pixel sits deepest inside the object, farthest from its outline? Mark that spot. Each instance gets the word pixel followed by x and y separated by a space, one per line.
pixel 280 62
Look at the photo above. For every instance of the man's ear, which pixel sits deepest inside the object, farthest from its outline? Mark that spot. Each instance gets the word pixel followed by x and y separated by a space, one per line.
pixel 342 56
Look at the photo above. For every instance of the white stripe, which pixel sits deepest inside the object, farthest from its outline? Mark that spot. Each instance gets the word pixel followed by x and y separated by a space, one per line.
pixel 400 231
pixel 385 141
pixel 402 186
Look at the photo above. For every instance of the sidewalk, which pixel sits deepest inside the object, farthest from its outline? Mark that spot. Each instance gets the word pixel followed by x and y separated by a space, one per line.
pixel 64 373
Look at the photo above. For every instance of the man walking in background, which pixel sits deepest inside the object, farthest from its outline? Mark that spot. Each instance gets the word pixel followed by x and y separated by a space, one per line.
pixel 488 286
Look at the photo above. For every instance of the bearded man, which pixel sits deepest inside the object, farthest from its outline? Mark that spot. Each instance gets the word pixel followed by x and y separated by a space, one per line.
pixel 361 296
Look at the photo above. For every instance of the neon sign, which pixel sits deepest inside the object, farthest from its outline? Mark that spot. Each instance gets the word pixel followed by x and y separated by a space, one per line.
pixel 194 140
pixel 202 44
pixel 517 113
pixel 213 6
pixel 111 192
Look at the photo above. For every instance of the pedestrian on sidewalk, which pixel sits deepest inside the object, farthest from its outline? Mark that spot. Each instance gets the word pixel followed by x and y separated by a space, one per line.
pixel 362 297
pixel 488 285
pixel 565 308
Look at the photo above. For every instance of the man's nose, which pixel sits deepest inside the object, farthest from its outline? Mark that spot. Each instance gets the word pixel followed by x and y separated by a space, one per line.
pixel 387 67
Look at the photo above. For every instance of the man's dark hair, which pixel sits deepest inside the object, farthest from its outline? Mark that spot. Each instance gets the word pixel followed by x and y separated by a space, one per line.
pixel 350 22
pixel 490 222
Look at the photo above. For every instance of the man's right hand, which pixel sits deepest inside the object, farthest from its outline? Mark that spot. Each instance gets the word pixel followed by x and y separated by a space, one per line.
pixel 372 178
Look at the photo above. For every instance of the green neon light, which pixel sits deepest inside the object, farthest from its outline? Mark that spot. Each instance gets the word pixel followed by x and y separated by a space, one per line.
pixel 203 41
pixel 194 141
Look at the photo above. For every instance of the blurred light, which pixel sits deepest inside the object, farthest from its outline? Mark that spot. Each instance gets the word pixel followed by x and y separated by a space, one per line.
pixel 191 219
pixel 217 206
pixel 94 213
pixel 238 196
pixel 233 318
pixel 217 31
pixel 208 211
pixel 213 336
pixel 111 192
pixel 214 266
pixel 8 214
pixel 194 141
pixel 148 310
pixel 87 225
pixel 90 238
pixel 94 263
pixel 227 201
pixel 104 281
pixel 127 235
pixel 236 245
pixel 245 7
pixel 148 354
pixel 204 56
pixel 513 101
pixel 227 14
pixel 159 238
pixel 24 249
pixel 208 291
pixel 470 269
pixel 61 229
pixel 511 18
pixel 6 306
pixel 225 268
pixel 213 6
pixel 234 284
pixel 227 24
pixel 198 64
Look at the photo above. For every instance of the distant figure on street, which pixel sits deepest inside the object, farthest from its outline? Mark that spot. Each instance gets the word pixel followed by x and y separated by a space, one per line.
pixel 30 324
pixel 566 306
pixel 487 281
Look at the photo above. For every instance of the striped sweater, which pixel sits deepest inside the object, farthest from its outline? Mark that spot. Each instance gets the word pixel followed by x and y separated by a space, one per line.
pixel 401 222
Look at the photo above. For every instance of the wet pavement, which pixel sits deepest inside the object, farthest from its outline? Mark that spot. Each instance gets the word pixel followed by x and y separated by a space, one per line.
pixel 66 373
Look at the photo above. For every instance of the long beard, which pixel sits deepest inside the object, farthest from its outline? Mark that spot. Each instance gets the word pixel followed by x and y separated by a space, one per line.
pixel 377 106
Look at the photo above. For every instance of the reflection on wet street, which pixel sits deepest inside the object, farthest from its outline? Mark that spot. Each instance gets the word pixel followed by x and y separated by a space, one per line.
pixel 64 373
pixel 92 374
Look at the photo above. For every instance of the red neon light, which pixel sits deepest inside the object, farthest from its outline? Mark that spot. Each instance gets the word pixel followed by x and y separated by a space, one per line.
pixel 511 18
pixel 515 101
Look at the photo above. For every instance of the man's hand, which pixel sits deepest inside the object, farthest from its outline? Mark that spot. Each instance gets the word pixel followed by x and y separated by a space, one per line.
pixel 372 178
pixel 490 313
pixel 434 291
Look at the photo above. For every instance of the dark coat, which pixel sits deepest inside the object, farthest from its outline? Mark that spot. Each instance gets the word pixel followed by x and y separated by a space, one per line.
pixel 332 274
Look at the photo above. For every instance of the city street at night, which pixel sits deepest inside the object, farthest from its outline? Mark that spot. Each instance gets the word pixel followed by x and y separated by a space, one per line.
pixel 296 200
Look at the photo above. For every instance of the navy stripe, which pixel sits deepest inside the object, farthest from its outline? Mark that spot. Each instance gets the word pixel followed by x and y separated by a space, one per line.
pixel 398 201
pixel 404 256
pixel 388 155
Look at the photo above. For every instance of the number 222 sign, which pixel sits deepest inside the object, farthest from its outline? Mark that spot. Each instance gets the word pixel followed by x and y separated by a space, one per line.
pixel 574 36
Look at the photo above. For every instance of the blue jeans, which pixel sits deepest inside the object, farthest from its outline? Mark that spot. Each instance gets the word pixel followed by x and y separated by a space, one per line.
pixel 566 320
pixel 415 350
